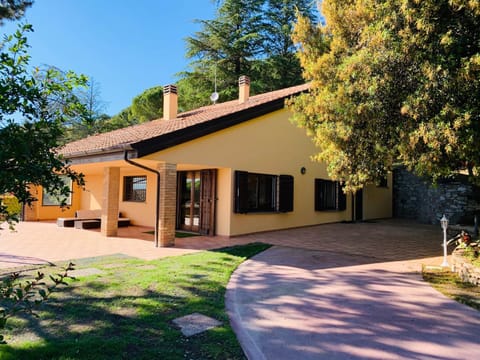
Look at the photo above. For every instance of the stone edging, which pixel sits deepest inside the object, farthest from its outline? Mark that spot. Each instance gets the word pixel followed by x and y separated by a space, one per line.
pixel 463 267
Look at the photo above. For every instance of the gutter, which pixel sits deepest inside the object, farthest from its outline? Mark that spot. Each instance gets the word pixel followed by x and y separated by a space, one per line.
pixel 157 201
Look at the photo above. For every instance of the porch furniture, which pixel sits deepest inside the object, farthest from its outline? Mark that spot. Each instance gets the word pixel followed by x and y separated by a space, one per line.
pixel 87 224
pixel 89 215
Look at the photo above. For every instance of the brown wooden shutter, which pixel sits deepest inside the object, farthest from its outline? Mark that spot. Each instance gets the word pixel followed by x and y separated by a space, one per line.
pixel 241 192
pixel 207 201
pixel 285 196
pixel 319 194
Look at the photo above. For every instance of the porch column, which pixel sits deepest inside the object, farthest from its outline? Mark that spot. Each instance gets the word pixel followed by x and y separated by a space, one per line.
pixel 168 204
pixel 110 203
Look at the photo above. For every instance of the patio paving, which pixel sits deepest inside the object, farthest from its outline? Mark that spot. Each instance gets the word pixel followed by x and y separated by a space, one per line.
pixel 35 243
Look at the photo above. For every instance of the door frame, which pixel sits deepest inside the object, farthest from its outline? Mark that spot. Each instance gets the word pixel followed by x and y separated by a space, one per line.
pixel 207 201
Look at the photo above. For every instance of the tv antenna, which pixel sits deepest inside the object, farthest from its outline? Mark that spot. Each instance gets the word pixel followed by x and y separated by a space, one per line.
pixel 214 96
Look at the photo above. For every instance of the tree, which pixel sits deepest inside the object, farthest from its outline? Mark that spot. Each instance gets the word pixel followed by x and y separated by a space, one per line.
pixel 123 119
pixel 280 66
pixel 226 45
pixel 148 105
pixel 392 81
pixel 247 37
pixel 34 104
pixel 13 9
pixel 145 107
pixel 91 120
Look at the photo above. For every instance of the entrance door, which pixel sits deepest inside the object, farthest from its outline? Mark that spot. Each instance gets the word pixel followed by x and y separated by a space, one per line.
pixel 196 201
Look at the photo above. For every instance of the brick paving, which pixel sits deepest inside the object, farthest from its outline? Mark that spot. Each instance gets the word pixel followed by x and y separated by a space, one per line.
pixel 386 240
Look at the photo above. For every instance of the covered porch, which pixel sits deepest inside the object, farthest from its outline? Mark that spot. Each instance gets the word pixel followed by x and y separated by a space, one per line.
pixel 159 195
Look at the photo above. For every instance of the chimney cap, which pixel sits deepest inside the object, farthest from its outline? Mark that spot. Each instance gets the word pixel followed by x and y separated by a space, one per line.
pixel 167 89
pixel 244 80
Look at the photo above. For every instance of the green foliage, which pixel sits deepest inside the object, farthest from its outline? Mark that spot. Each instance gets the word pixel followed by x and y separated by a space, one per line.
pixel 10 209
pixel 247 37
pixel 472 252
pixel 123 119
pixel 145 107
pixel 43 99
pixel 148 105
pixel 91 120
pixel 24 297
pixel 392 81
pixel 13 9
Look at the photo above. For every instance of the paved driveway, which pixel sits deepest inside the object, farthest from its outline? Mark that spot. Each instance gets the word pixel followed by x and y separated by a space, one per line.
pixel 357 295
pixel 337 291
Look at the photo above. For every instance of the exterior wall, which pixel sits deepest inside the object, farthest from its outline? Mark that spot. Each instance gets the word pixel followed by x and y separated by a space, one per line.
pixel 377 201
pixel 39 212
pixel 415 198
pixel 139 213
pixel 91 198
pixel 224 203
pixel 270 144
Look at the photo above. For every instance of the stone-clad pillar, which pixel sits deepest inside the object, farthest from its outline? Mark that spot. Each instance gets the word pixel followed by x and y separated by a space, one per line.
pixel 168 204
pixel 110 203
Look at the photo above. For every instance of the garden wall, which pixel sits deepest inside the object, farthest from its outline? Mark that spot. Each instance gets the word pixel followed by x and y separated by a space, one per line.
pixel 415 198
pixel 464 268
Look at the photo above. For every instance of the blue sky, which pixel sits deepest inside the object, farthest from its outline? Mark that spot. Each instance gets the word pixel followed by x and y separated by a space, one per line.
pixel 126 46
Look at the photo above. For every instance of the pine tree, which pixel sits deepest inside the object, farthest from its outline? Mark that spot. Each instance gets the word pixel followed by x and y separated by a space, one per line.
pixel 247 37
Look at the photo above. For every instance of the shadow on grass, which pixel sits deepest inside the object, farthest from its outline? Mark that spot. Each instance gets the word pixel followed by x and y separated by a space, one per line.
pixel 127 311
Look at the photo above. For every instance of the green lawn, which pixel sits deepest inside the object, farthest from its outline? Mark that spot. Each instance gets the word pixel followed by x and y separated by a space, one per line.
pixel 126 311
pixel 450 284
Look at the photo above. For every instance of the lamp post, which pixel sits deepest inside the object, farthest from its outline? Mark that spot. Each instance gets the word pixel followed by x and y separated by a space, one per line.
pixel 444 224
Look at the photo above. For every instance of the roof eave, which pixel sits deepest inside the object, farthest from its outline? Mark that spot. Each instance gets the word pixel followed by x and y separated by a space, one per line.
pixel 113 153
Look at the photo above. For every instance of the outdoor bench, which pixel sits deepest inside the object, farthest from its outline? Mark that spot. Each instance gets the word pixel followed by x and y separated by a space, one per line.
pixel 87 224
pixel 88 215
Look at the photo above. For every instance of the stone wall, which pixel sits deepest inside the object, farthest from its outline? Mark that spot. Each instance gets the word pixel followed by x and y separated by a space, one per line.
pixel 464 268
pixel 415 198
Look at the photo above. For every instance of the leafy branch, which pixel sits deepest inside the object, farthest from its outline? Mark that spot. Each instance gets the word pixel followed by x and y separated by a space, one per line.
pixel 24 297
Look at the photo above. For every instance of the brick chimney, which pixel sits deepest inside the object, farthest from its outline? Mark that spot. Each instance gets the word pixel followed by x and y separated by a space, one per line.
pixel 244 89
pixel 170 102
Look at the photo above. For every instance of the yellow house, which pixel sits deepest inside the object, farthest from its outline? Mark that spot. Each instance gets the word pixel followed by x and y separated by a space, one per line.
pixel 226 169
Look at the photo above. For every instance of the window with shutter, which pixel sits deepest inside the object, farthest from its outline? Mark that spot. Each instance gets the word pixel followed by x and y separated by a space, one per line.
pixel 262 192
pixel 329 196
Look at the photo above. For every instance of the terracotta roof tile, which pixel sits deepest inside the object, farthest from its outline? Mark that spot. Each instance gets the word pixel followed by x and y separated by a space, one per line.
pixel 133 134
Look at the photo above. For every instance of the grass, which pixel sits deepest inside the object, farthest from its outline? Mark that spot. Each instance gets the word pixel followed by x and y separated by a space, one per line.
pixel 449 284
pixel 126 312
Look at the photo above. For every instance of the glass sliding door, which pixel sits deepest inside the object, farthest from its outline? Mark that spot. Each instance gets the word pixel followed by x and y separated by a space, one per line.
pixel 196 201
pixel 189 201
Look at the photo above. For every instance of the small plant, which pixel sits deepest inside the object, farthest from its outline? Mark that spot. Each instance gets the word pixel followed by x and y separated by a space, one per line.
pixel 23 297
pixel 10 210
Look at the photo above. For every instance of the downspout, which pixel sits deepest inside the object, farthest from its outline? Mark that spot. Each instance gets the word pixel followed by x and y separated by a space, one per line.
pixel 157 202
